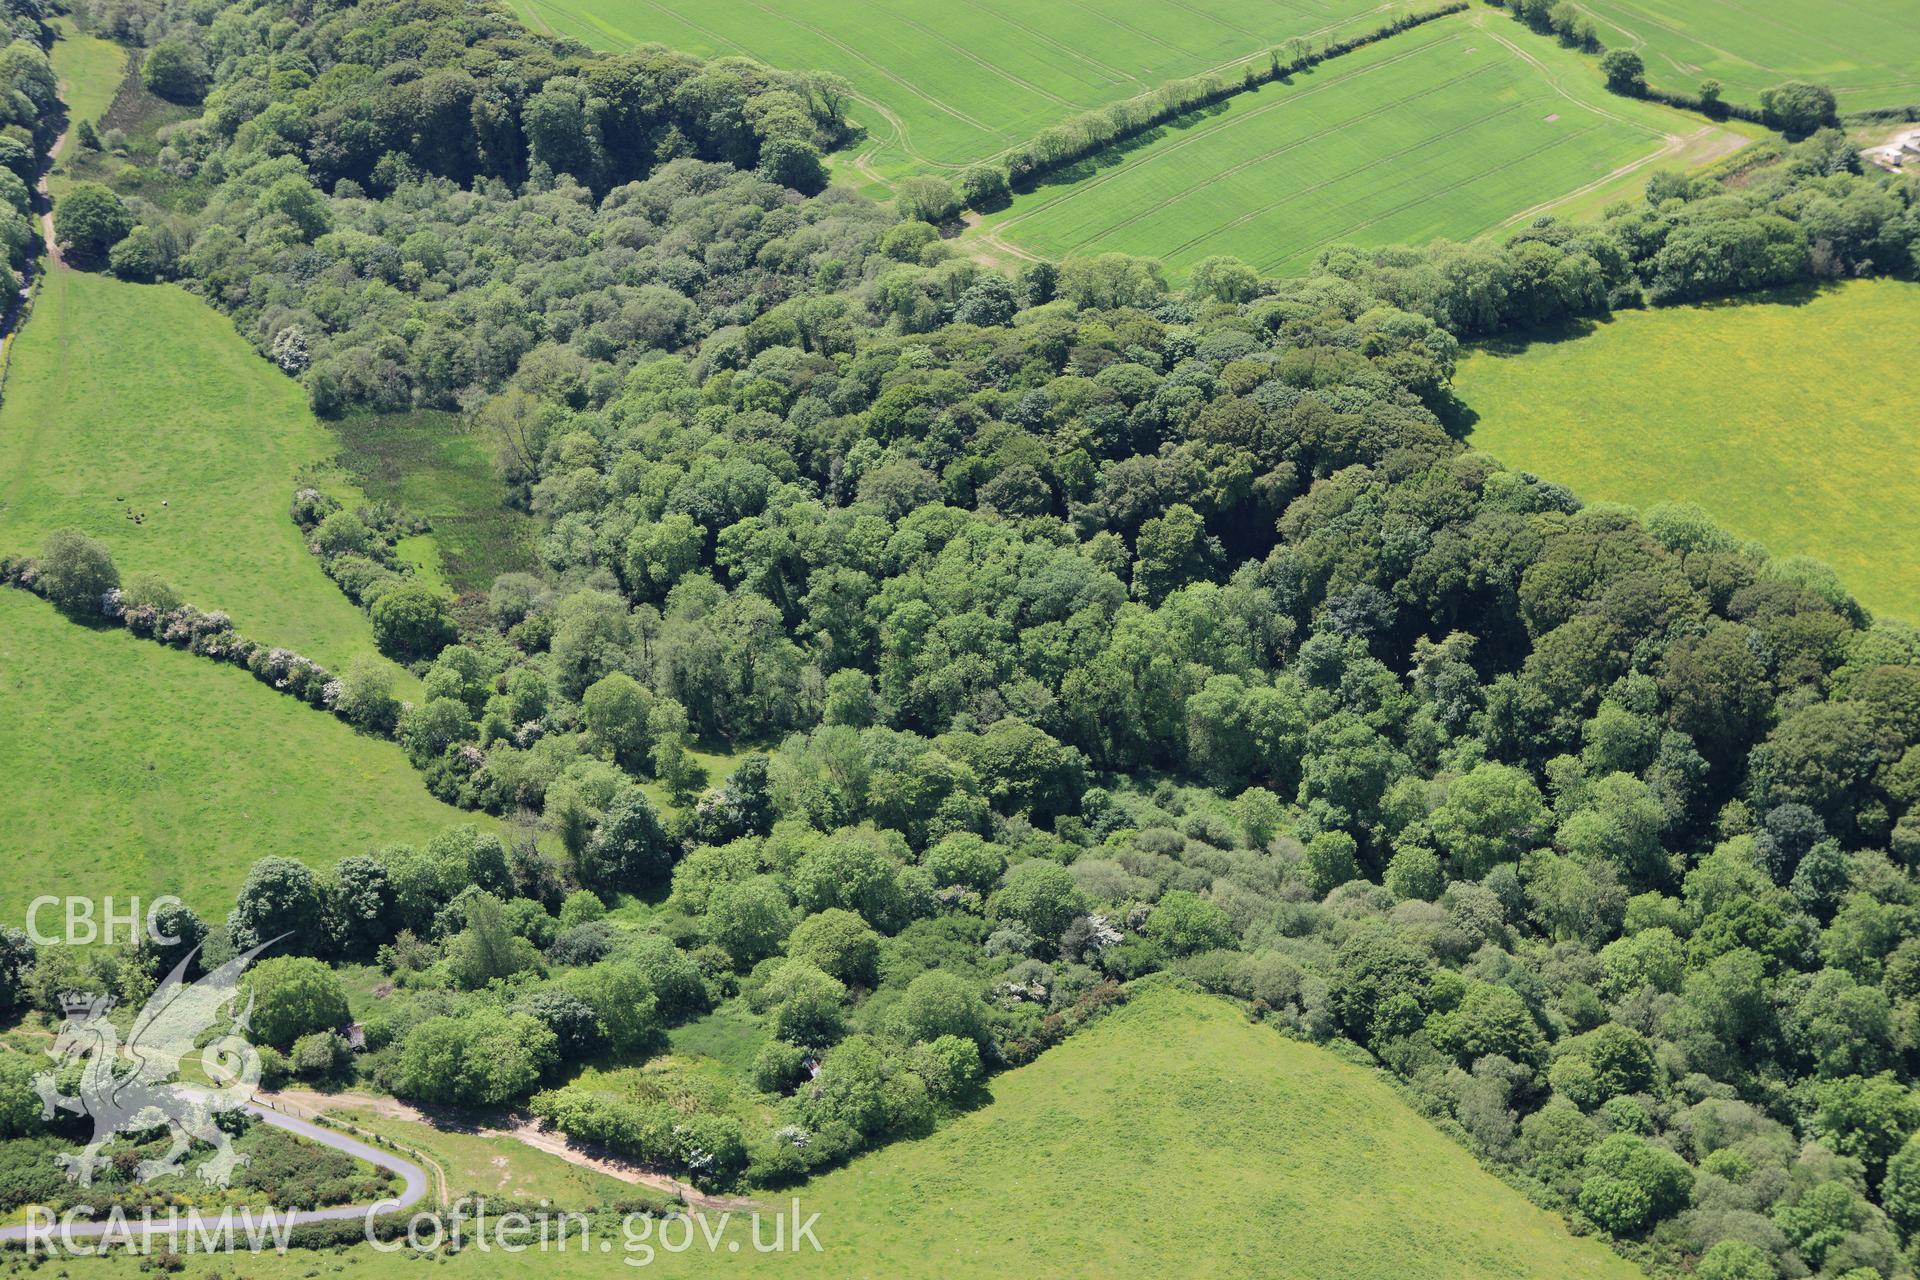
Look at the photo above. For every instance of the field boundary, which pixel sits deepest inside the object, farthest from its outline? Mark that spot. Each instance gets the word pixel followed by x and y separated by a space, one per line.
pixel 1717 110
pixel 210 635
pixel 1737 458
pixel 15 323
pixel 1638 42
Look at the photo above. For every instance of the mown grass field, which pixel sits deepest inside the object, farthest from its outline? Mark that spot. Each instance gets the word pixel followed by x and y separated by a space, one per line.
pixel 1173 1138
pixel 1791 423
pixel 1868 51
pixel 141 396
pixel 943 85
pixel 90 71
pixel 136 769
pixel 1446 130
pixel 429 464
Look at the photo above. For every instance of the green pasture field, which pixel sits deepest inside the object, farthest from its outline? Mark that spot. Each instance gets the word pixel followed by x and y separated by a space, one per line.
pixel 942 85
pixel 1173 1138
pixel 1432 133
pixel 90 71
pixel 429 464
pixel 1789 421
pixel 141 396
pixel 133 768
pixel 1867 51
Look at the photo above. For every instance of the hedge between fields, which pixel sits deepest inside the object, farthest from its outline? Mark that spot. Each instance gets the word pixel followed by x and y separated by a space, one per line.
pixel 1884 115
pixel 209 634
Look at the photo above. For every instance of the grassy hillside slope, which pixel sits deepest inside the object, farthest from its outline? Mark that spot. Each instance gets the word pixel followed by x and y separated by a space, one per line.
pixel 1173 1138
pixel 1788 422
pixel 133 768
pixel 1448 130
pixel 133 396
pixel 90 71
pixel 1177 1138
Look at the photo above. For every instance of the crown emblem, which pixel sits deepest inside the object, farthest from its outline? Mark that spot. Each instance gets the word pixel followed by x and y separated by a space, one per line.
pixel 83 1005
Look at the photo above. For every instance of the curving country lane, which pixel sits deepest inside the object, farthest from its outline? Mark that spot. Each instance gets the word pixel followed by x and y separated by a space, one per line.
pixel 412 1176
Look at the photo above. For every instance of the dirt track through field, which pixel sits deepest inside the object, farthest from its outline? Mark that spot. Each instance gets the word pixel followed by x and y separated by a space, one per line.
pixel 43 193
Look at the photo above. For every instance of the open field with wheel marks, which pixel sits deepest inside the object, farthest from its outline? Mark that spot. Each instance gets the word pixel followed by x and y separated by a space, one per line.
pixel 944 85
pixel 1790 423
pixel 1171 1138
pixel 1866 51
pixel 1424 135
pixel 141 399
pixel 135 768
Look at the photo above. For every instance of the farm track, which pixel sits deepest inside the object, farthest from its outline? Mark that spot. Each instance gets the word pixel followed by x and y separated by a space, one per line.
pixel 1679 144
pixel 43 218
pixel 1553 81
pixel 43 192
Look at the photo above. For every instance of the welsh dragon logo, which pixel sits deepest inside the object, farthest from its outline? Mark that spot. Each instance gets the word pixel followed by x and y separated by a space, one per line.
pixel 132 1088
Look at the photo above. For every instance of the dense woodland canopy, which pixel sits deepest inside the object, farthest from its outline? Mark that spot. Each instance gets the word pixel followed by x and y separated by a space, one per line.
pixel 1067 629
pixel 366 246
pixel 379 90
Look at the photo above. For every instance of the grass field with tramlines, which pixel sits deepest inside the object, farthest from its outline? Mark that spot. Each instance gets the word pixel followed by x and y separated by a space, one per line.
pixel 1430 133
pixel 1868 51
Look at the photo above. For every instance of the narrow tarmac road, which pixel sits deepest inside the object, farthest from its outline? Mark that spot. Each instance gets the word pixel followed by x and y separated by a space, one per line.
pixel 412 1176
